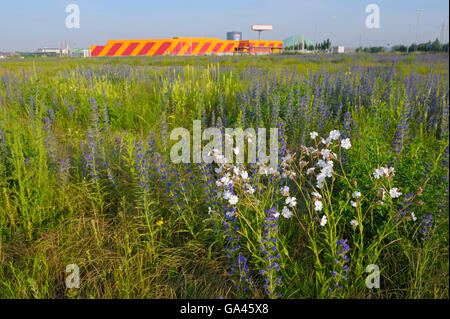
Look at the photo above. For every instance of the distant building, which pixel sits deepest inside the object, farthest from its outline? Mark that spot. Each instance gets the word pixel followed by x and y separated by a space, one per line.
pixel 49 51
pixel 53 51
pixel 185 46
pixel 338 49
pixel 297 42
pixel 80 53
pixel 234 36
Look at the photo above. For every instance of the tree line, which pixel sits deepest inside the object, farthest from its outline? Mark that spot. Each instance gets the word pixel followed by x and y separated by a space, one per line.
pixel 435 46
pixel 323 46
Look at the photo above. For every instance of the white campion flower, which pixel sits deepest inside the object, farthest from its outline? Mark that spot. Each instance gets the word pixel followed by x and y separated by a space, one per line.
pixel 383 171
pixel 285 190
pixel 233 200
pixel 209 210
pixel 227 195
pixel 323 221
pixel 356 194
pixel 244 175
pixel 318 205
pixel 354 204
pixel 291 201
pixel 310 171
pixel 335 134
pixel 316 195
pixel 225 180
pixel 236 170
pixel 325 153
pixel 249 189
pixel 345 143
pixel 313 134
pixel 327 171
pixel 394 192
pixel 320 180
pixel 413 216
pixel 321 163
pixel 236 150
pixel 377 174
pixel 354 223
pixel 286 212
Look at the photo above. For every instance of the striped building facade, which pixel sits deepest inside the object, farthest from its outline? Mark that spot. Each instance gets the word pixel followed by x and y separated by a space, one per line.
pixel 184 46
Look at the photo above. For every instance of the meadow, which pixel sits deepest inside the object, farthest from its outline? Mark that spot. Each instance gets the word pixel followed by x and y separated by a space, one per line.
pixel 361 185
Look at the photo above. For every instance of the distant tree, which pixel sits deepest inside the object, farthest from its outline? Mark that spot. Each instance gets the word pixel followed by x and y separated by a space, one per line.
pixel 399 48
pixel 436 46
pixel 412 47
pixel 429 46
pixel 327 44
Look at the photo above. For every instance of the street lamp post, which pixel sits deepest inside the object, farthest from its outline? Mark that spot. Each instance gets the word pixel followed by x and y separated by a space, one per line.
pixel 417 26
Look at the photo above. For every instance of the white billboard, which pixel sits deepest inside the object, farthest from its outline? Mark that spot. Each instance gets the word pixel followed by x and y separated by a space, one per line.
pixel 262 27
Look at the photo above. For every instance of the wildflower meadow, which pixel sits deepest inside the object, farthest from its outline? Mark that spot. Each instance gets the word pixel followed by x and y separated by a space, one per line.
pixel 353 205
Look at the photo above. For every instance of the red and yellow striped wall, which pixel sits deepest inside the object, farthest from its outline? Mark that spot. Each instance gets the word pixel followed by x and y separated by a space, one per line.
pixel 182 46
pixel 260 46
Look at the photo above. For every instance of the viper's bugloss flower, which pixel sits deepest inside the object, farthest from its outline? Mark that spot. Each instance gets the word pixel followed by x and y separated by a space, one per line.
pixel 269 250
pixel 50 142
pixel 341 268
pixel 63 171
pixel 426 225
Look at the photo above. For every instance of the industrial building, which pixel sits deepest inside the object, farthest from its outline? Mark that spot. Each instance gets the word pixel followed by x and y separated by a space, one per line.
pixel 79 53
pixel 338 49
pixel 234 36
pixel 186 46
pixel 53 51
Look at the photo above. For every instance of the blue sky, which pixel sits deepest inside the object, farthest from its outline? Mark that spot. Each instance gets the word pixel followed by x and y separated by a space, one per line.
pixel 28 25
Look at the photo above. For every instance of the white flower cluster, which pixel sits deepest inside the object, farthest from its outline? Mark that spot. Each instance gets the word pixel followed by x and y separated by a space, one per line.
pixel 387 172
pixel 383 172
pixel 355 195
pixel 318 206
pixel 323 221
pixel 324 156
pixel 285 171
pixel 290 202
pixel 230 176
pixel 395 192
